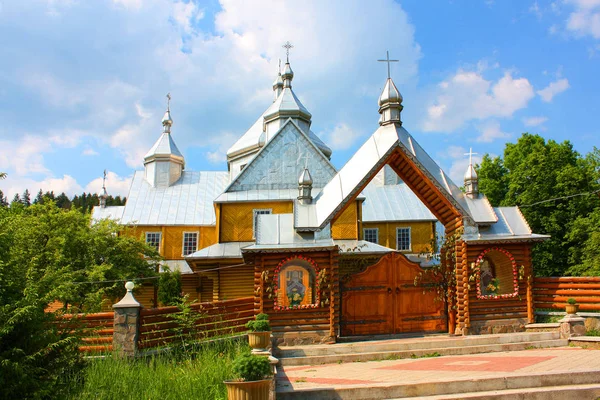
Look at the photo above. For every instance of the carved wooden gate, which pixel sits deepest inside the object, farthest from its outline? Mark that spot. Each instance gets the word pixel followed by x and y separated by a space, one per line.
pixel 384 300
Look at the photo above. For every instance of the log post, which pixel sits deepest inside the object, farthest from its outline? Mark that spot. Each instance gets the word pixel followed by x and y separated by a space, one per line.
pixel 127 324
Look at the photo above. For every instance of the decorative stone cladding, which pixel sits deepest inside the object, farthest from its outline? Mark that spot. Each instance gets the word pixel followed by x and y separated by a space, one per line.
pixel 280 163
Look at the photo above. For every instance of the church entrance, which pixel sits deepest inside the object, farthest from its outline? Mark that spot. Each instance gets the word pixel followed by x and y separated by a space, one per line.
pixel 383 299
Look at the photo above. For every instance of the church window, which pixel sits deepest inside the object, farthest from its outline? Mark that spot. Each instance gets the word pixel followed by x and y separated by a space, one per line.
pixel 496 274
pixel 190 242
pixel 403 239
pixel 296 284
pixel 371 235
pixel 153 239
pixel 256 212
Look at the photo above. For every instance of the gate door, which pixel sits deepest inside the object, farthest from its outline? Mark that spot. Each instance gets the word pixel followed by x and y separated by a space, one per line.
pixel 384 300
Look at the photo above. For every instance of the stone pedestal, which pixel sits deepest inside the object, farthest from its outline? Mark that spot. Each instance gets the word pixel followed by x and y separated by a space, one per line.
pixel 126 324
pixel 572 325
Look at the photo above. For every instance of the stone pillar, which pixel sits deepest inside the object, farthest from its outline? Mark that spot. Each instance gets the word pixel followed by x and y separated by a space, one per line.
pixel 572 325
pixel 127 324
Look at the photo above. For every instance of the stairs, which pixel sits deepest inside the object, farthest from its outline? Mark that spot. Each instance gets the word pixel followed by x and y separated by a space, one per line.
pixel 415 347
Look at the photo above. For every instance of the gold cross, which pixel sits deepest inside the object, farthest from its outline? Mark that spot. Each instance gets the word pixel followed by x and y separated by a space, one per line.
pixel 388 61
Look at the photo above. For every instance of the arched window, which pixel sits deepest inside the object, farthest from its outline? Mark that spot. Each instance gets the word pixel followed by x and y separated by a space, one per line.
pixel 496 274
pixel 296 284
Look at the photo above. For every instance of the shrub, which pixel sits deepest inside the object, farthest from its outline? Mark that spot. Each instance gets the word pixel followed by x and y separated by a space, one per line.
pixel 260 323
pixel 571 301
pixel 249 367
pixel 169 288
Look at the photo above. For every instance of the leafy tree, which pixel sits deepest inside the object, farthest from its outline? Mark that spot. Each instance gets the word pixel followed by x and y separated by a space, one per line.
pixel 532 171
pixel 48 253
pixel 2 175
pixel 169 288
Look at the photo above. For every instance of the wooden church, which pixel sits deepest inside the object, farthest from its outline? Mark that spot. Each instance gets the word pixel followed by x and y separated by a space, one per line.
pixel 326 252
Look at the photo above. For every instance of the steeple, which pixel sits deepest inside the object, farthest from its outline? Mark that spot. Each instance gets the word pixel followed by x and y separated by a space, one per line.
pixel 103 194
pixel 164 163
pixel 278 84
pixel 471 179
pixel 390 100
pixel 288 74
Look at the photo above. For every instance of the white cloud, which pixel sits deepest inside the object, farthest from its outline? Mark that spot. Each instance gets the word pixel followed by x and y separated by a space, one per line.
pixel 115 185
pixel 585 18
pixel 554 88
pixel 490 131
pixel 186 15
pixel 220 144
pixel 88 151
pixel 129 4
pixel 342 137
pixel 12 185
pixel 534 121
pixel 468 96
pixel 24 156
pixel 459 167
pixel 535 10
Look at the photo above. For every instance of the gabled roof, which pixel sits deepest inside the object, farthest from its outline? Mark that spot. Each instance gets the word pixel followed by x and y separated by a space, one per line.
pixel 393 203
pixel 189 201
pixel 281 161
pixel 511 226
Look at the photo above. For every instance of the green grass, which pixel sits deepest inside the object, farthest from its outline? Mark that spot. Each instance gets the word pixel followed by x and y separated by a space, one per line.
pixel 197 374
pixel 593 332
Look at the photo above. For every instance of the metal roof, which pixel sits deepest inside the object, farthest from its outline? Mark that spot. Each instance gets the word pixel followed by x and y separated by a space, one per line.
pixel 189 201
pixel 393 203
pixel 511 226
pixel 164 146
pixel 261 195
pixel 111 212
pixel 220 250
pixel 176 265
pixel 356 247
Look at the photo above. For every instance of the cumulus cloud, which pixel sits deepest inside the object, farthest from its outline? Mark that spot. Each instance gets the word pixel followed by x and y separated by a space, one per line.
pixel 584 20
pixel 554 88
pixel 534 121
pixel 490 131
pixel 468 95
pixel 341 137
pixel 12 185
pixel 115 185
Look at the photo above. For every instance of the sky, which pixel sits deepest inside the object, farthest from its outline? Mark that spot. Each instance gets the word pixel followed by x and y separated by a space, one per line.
pixel 83 82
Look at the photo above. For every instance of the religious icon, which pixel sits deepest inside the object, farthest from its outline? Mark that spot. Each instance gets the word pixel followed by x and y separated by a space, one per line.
pixel 487 278
pixel 295 287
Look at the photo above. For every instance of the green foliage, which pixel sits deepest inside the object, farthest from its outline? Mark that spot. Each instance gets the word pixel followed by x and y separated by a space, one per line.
pixel 534 170
pixel 249 367
pixel 260 324
pixel 47 253
pixel 571 301
pixel 169 288
pixel 187 330
pixel 196 375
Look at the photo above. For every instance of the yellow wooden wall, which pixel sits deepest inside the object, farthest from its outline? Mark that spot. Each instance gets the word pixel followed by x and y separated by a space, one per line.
pixel 421 234
pixel 346 225
pixel 235 219
pixel 171 247
pixel 236 282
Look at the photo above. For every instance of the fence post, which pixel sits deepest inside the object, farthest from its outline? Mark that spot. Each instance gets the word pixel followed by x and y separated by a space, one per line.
pixel 127 324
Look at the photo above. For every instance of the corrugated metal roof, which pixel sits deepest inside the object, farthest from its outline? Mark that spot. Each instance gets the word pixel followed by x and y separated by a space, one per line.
pixel 261 195
pixel 393 203
pixel 111 212
pixel 349 246
pixel 511 226
pixel 189 201
pixel 220 250
pixel 177 265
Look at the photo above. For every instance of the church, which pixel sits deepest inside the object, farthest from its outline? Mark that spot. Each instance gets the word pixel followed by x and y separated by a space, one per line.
pixel 327 252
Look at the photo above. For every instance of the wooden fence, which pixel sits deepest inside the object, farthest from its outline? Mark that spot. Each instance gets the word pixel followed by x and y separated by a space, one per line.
pixel 160 327
pixel 553 293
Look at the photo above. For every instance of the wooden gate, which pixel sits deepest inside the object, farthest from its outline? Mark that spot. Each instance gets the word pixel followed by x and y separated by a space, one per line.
pixel 384 300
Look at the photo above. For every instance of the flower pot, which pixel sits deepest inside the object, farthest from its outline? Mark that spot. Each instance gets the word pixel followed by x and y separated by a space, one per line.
pixel 572 308
pixel 259 340
pixel 254 390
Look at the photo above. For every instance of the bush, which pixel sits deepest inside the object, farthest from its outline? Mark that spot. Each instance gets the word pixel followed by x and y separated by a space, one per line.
pixel 169 288
pixel 571 301
pixel 260 323
pixel 249 367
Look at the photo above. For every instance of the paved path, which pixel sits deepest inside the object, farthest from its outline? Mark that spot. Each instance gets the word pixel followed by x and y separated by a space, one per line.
pixel 448 368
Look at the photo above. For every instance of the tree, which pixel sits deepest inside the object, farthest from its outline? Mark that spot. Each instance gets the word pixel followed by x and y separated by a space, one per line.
pixel 2 175
pixel 3 200
pixel 26 198
pixel 39 199
pixel 531 172
pixel 48 253
pixel 16 201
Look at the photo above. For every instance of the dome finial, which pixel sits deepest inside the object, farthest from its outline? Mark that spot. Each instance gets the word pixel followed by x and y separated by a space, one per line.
pixel 288 74
pixel 471 178
pixel 167 121
pixel 390 100
pixel 103 194
pixel 278 84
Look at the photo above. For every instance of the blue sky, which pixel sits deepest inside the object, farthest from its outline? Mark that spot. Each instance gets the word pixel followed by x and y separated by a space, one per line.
pixel 83 83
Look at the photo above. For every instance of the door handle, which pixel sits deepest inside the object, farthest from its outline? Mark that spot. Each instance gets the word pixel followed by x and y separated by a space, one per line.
pixel 389 290
pixel 397 290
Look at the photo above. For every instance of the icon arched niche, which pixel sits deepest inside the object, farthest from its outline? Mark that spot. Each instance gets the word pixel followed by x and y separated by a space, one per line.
pixel 496 274
pixel 296 284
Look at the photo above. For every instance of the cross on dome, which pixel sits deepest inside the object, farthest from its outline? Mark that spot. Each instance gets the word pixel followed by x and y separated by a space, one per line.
pixel 168 101
pixel 470 154
pixel 388 61
pixel 287 46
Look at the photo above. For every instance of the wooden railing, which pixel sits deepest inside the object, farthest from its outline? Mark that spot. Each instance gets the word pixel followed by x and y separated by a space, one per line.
pixel 160 326
pixel 95 330
pixel 553 293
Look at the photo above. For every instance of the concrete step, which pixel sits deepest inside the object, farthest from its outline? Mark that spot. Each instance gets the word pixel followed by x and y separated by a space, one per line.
pixel 442 351
pixel 559 383
pixel 422 343
pixel 571 392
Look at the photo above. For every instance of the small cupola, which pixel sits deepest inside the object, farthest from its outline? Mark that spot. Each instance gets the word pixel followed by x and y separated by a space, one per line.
pixel 471 179
pixel 164 163
pixel 390 100
pixel 278 83
pixel 305 187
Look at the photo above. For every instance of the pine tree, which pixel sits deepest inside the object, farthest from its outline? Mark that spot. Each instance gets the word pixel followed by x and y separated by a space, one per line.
pixel 16 200
pixel 3 200
pixel 63 201
pixel 39 199
pixel 26 198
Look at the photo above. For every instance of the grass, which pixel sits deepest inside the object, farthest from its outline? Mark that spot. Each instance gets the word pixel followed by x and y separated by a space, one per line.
pixel 195 374
pixel 593 332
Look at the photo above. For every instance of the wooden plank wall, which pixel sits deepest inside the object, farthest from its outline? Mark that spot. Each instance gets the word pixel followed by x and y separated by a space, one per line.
pixel 554 292
pixel 326 318
pixel 500 309
pixel 95 330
